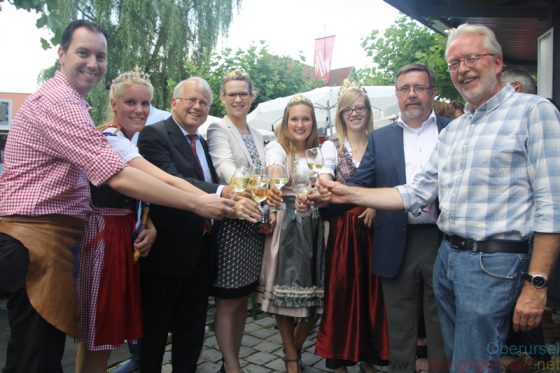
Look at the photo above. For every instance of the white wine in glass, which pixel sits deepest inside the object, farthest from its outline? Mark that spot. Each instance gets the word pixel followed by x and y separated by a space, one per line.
pixel 260 192
pixel 239 179
pixel 301 184
pixel 278 174
pixel 279 182
pixel 315 160
pixel 255 177
pixel 238 183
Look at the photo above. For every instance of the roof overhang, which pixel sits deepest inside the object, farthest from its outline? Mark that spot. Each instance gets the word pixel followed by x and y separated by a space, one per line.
pixel 517 23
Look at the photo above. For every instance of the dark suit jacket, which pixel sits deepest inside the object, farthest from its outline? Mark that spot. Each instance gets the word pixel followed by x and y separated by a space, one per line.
pixel 383 166
pixel 179 238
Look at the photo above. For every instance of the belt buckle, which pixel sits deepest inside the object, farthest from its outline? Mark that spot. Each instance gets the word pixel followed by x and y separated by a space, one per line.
pixel 475 246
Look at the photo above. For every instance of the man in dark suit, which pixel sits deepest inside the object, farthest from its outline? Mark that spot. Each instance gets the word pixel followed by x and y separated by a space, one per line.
pixel 176 275
pixel 405 246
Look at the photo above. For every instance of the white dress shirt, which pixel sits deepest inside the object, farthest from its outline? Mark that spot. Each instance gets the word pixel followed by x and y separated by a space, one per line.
pixel 418 144
pixel 201 157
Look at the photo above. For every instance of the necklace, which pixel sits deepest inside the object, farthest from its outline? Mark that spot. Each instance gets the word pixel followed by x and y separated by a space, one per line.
pixel 358 147
pixel 358 150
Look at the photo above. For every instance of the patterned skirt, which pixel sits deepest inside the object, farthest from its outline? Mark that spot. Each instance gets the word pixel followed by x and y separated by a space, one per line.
pixel 239 251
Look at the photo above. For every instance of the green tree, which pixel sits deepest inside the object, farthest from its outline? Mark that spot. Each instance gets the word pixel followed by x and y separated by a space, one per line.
pixel 158 36
pixel 406 42
pixel 273 76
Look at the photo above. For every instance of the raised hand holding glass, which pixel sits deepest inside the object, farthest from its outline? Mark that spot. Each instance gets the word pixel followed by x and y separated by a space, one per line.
pixel 315 162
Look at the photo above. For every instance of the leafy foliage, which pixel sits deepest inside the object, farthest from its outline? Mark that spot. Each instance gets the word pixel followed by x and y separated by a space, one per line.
pixel 273 76
pixel 158 36
pixel 171 40
pixel 406 42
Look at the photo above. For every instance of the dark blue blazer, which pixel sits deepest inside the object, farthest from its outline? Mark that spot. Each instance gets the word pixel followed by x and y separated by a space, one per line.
pixel 382 166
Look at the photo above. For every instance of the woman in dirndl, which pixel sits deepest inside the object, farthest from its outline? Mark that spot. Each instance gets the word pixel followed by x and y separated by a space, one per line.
pixel 354 325
pixel 108 281
pixel 291 280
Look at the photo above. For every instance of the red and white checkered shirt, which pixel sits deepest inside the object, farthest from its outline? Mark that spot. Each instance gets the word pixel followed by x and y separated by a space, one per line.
pixel 52 150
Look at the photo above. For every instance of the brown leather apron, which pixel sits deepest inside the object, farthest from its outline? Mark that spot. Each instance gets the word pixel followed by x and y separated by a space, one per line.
pixel 50 282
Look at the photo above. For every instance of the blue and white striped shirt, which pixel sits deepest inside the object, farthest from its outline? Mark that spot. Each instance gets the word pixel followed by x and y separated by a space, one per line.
pixel 496 171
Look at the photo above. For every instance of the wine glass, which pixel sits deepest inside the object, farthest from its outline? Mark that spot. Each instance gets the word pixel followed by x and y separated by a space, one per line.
pixel 315 162
pixel 301 184
pixel 260 191
pixel 279 176
pixel 239 179
pixel 255 176
pixel 259 182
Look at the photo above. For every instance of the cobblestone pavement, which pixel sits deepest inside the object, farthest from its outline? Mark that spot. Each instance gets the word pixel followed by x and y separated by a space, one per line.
pixel 261 349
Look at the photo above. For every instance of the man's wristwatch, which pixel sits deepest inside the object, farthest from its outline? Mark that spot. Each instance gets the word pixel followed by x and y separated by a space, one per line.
pixel 538 281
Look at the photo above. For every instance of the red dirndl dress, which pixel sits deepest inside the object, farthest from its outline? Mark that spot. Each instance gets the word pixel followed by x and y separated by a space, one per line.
pixel 109 280
pixel 354 324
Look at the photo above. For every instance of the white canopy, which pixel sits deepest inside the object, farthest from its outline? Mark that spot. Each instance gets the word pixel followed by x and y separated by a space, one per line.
pixel 383 101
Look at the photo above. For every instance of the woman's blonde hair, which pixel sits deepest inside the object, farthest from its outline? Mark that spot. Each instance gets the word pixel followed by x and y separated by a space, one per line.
pixel 120 84
pixel 347 97
pixel 283 134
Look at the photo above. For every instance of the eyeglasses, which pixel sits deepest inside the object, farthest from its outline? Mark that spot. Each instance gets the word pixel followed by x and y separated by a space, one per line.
pixel 470 61
pixel 403 90
pixel 242 95
pixel 192 101
pixel 359 109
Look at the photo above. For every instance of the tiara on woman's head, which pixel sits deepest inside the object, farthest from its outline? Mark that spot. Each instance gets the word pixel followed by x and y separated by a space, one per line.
pixel 236 74
pixel 350 84
pixel 132 75
pixel 299 99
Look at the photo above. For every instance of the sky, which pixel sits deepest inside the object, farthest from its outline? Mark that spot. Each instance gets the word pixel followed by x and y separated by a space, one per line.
pixel 288 27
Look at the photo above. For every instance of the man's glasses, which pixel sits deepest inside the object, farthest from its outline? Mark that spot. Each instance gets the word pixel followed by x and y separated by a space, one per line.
pixel 233 95
pixel 192 101
pixel 359 109
pixel 404 89
pixel 469 61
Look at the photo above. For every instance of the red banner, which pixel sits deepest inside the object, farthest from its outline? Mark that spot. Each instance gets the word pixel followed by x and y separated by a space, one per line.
pixel 323 56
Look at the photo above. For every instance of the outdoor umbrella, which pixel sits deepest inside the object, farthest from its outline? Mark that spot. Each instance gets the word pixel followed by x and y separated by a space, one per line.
pixel 267 115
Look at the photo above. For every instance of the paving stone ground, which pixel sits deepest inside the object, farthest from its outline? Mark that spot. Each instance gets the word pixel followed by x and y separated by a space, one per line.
pixel 261 350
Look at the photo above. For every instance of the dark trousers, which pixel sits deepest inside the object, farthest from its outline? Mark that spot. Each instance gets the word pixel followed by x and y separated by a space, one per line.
pixel 176 305
pixel 35 346
pixel 403 293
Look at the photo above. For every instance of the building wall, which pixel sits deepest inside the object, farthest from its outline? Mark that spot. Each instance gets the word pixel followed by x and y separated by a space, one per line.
pixel 15 100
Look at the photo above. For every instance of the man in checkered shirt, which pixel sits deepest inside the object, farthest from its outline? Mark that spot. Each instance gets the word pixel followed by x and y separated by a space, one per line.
pixel 496 172
pixel 52 153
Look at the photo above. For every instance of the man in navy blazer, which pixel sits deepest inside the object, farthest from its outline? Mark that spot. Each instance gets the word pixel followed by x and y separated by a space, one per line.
pixel 405 246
